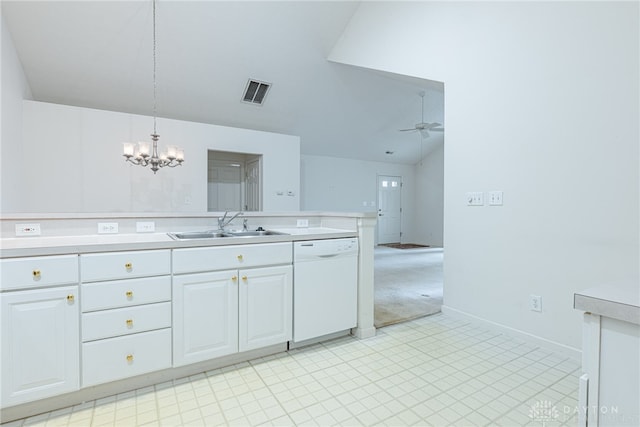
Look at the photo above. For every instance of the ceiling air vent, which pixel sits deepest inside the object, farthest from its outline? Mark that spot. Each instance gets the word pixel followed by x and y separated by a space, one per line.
pixel 255 92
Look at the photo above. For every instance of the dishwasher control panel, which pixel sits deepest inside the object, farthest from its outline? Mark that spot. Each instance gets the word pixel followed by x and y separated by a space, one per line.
pixel 322 248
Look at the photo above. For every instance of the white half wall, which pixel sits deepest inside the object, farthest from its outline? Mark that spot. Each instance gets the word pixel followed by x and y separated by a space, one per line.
pixel 75 163
pixel 14 87
pixel 542 102
pixel 345 185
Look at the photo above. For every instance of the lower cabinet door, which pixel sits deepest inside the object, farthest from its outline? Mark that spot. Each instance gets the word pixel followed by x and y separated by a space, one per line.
pixel 266 305
pixel 205 316
pixel 40 344
pixel 122 357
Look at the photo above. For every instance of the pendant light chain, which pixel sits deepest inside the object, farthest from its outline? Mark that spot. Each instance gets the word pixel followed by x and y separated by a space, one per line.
pixel 155 109
pixel 142 154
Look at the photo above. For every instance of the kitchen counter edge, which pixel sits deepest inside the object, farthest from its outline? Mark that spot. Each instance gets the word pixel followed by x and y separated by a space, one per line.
pixel 619 301
pixel 79 245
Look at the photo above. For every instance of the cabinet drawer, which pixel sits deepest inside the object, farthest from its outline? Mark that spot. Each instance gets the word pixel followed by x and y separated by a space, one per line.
pixel 125 293
pixel 21 273
pixel 233 256
pixel 123 265
pixel 127 356
pixel 125 321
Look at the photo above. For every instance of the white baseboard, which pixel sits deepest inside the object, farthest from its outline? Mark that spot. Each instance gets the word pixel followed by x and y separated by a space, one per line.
pixel 363 333
pixel 571 352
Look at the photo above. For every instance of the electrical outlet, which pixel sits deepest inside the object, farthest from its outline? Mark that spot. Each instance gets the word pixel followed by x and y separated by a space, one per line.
pixel 475 198
pixel 495 198
pixel 27 230
pixel 535 303
pixel 302 223
pixel 107 227
pixel 145 227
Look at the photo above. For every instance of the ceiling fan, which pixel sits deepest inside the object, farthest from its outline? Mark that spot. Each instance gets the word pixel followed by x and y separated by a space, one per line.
pixel 424 127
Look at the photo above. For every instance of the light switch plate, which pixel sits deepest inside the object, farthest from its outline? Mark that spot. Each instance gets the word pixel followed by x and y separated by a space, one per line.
pixel 475 198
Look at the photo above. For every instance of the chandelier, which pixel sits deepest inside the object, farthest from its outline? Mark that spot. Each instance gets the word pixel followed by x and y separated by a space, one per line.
pixel 145 154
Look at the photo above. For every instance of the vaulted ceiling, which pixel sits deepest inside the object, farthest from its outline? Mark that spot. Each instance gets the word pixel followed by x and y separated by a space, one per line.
pixel 98 54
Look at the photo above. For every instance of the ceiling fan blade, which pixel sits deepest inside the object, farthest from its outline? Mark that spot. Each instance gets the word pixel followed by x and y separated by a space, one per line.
pixel 437 129
pixel 407 130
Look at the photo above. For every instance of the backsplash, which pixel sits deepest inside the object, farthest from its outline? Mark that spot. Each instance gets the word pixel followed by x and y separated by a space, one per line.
pixel 52 225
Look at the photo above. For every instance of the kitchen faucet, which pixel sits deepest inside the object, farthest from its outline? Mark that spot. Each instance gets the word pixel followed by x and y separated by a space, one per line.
pixel 222 223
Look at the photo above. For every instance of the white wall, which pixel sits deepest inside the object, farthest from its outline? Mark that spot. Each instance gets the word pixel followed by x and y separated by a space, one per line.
pixel 429 199
pixel 13 89
pixel 541 102
pixel 344 185
pixel 75 163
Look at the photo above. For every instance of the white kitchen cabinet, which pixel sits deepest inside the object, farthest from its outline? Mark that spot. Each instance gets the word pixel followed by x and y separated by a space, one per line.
pixel 125 356
pixel 266 306
pixel 230 309
pixel 205 316
pixel 38 272
pixel 195 260
pixel 126 314
pixel 40 343
pixel 125 265
pixel 610 382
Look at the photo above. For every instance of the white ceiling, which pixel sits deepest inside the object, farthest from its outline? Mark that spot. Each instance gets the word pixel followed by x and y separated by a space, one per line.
pixel 98 54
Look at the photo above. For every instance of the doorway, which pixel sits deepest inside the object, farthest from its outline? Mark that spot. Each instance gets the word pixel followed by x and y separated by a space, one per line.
pixel 408 277
pixel 234 181
pixel 389 209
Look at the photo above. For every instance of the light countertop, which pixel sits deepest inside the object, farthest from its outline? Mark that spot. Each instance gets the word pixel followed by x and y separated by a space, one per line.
pixel 60 245
pixel 619 301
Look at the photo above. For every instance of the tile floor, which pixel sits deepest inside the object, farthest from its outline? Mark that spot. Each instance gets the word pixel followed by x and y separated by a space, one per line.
pixel 435 370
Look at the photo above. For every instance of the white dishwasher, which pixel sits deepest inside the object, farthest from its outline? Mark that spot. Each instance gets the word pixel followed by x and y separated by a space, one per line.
pixel 325 287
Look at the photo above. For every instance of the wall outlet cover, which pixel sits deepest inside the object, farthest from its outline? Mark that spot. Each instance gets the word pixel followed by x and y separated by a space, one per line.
pixel 495 198
pixel 535 303
pixel 145 227
pixel 302 223
pixel 27 230
pixel 107 227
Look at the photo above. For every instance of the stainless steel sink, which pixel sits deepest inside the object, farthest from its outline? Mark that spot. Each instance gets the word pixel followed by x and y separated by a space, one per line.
pixel 190 235
pixel 254 233
pixel 196 235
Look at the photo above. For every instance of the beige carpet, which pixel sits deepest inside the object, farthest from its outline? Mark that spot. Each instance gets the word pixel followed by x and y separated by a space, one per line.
pixel 407 284
pixel 404 245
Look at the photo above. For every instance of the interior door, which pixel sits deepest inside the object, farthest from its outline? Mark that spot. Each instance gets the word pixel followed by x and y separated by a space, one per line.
pixel 225 186
pixel 252 202
pixel 389 208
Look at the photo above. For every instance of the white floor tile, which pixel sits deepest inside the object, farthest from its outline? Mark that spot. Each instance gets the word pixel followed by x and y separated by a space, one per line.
pixel 421 372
